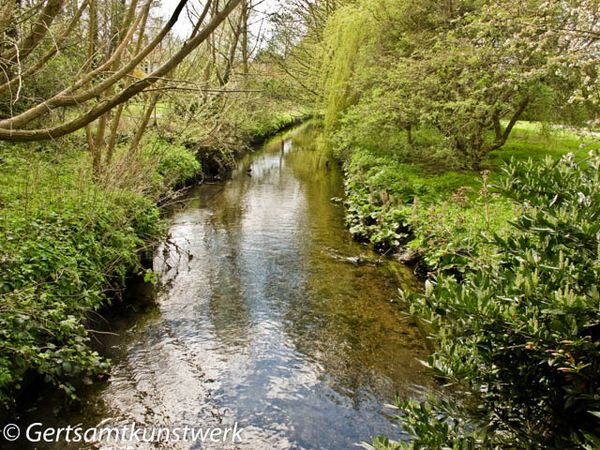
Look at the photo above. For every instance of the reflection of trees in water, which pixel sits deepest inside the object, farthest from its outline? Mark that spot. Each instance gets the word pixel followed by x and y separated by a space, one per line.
pixel 227 310
pixel 331 312
pixel 348 325
pixel 346 322
pixel 241 276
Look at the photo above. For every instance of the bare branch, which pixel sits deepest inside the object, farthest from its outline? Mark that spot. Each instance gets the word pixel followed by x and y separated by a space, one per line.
pixel 9 133
pixel 38 31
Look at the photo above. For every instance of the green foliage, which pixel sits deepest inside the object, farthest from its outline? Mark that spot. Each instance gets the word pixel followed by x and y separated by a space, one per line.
pixel 268 123
pixel 372 213
pixel 437 212
pixel 448 234
pixel 436 424
pixel 461 228
pixel 390 203
pixel 521 332
pixel 67 242
pixel 463 71
pixel 229 127
pixel 345 35
pixel 175 165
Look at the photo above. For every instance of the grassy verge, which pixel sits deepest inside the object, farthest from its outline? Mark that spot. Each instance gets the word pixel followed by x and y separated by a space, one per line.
pixel 436 213
pixel 67 243
pixel 270 124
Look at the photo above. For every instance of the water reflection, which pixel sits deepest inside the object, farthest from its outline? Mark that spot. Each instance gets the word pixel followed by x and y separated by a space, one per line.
pixel 264 320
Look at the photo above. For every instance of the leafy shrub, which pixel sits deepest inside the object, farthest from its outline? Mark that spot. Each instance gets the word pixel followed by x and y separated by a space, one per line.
pixel 389 204
pixel 174 164
pixel 372 213
pixel 520 334
pixel 436 424
pixel 178 165
pixel 448 234
pixel 268 123
pixel 65 242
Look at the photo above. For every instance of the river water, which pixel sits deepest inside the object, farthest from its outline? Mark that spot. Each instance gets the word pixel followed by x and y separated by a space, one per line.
pixel 269 316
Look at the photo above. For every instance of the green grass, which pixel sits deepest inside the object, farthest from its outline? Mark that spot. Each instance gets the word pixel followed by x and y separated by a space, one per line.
pixel 441 212
pixel 533 140
pixel 528 140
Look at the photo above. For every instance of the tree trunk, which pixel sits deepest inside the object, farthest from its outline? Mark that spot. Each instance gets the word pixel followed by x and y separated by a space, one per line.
pixel 502 136
pixel 135 142
pixel 245 17
pixel 409 135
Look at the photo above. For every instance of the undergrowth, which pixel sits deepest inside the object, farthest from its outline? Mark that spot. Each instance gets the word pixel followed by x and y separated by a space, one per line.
pixel 67 243
pixel 397 202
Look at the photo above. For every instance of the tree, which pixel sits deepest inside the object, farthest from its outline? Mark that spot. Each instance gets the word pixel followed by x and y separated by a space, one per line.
pixel 468 70
pixel 95 86
pixel 297 45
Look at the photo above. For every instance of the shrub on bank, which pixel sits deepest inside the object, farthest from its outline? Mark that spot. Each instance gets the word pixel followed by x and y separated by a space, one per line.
pixel 519 336
pixel 66 244
pixel 175 165
pixel 514 309
pixel 268 123
pixel 394 202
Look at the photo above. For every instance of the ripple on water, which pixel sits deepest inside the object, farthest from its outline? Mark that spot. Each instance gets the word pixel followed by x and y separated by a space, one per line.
pixel 268 323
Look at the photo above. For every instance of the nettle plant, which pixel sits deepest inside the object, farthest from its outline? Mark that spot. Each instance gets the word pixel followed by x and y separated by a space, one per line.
pixel 521 332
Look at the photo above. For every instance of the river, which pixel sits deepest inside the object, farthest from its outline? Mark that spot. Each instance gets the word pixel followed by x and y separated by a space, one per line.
pixel 269 315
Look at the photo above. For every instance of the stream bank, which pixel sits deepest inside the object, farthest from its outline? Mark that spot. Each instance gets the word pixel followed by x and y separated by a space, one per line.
pixel 70 245
pixel 270 315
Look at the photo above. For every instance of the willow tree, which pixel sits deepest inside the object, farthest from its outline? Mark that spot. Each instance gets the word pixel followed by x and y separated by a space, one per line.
pixel 469 70
pixel 297 45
